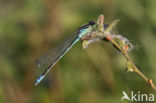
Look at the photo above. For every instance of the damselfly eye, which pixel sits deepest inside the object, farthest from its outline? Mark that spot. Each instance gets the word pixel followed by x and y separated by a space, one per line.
pixel 91 23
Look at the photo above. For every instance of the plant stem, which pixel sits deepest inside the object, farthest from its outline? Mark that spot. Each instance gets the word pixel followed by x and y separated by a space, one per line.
pixel 101 34
pixel 136 70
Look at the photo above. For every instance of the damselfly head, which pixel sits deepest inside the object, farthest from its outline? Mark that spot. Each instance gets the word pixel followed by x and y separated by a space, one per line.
pixel 91 23
pixel 86 26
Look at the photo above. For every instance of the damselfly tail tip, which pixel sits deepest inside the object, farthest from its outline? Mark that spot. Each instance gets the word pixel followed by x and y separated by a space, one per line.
pixel 38 80
pixel 35 83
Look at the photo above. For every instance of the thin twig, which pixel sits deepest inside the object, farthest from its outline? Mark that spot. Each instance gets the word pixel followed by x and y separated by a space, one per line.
pixel 136 70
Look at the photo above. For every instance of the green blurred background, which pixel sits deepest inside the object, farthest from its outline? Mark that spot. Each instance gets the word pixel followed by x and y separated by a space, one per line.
pixel 29 28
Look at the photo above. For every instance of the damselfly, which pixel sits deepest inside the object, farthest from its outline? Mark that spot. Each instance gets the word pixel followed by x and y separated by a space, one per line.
pixel 51 57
